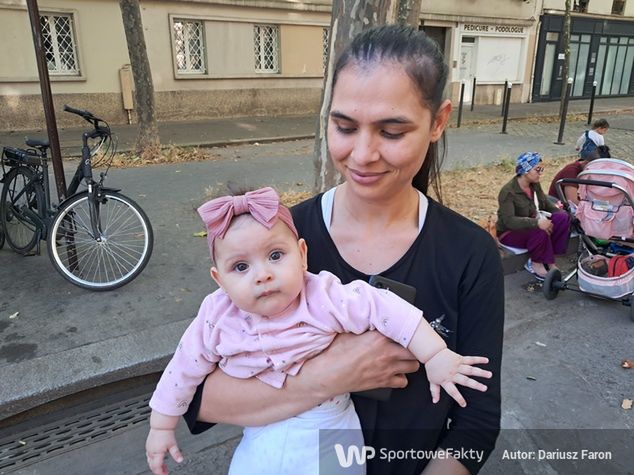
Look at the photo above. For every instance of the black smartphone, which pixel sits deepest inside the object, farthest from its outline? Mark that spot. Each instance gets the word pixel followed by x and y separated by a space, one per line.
pixel 407 293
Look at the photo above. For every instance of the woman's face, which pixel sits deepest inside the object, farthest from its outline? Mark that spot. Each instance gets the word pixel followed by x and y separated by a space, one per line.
pixel 535 173
pixel 378 129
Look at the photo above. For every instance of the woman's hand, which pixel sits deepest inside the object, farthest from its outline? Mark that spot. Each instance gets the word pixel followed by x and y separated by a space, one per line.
pixel 545 224
pixel 360 362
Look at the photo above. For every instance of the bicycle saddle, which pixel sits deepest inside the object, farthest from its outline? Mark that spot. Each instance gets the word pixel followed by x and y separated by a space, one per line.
pixel 39 143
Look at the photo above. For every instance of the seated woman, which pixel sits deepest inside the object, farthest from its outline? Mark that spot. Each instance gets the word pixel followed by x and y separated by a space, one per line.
pixel 521 223
pixel 571 170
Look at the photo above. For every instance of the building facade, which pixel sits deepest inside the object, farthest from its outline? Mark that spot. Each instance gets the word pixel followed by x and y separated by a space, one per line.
pixel 208 58
pixel 218 58
pixel 490 41
pixel 601 50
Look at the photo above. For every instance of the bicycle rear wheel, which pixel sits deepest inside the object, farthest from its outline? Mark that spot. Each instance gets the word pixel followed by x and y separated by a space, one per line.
pixel 20 201
pixel 103 262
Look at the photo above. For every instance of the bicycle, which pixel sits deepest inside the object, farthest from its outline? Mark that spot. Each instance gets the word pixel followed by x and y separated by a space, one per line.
pixel 97 238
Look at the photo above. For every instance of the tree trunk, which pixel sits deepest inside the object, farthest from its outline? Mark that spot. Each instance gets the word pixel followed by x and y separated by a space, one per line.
pixel 408 12
pixel 350 17
pixel 147 142
pixel 566 66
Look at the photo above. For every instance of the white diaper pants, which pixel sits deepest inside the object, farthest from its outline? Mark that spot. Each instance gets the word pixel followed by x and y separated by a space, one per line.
pixel 294 446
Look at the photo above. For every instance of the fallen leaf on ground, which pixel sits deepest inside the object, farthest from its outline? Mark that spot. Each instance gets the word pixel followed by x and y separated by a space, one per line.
pixel 200 234
pixel 14 315
pixel 626 404
pixel 627 364
pixel 533 286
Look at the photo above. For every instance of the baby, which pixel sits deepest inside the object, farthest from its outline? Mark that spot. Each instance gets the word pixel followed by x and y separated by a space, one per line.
pixel 267 318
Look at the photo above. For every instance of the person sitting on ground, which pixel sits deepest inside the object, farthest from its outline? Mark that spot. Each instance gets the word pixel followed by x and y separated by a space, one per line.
pixel 269 316
pixel 571 170
pixel 596 133
pixel 527 219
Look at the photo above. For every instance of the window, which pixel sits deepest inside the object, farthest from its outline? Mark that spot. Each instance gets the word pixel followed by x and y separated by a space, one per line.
pixel 265 45
pixel 325 40
pixel 58 40
pixel 581 6
pixel 614 65
pixel 618 7
pixel 189 47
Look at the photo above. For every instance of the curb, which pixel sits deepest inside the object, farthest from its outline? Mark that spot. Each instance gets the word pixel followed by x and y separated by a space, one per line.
pixel 211 144
pixel 85 367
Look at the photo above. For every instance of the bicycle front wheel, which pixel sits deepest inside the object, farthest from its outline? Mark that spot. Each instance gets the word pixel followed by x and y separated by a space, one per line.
pixel 21 200
pixel 113 257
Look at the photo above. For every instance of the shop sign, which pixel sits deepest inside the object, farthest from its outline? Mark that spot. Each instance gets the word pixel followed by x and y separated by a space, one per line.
pixel 494 29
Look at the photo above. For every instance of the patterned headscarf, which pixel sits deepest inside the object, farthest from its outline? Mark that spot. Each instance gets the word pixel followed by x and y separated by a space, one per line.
pixel 526 162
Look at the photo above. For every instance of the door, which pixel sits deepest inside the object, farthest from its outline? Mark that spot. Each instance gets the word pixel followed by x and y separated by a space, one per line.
pixel 467 65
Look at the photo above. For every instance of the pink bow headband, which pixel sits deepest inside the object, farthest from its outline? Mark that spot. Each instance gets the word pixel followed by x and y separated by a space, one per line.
pixel 263 205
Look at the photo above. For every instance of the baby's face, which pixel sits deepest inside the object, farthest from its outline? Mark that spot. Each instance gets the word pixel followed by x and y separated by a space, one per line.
pixel 262 270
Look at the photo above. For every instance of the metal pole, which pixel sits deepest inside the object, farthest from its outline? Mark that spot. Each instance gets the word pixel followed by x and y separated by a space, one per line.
pixel 461 102
pixel 507 100
pixel 564 112
pixel 473 89
pixel 594 91
pixel 47 99
pixel 506 85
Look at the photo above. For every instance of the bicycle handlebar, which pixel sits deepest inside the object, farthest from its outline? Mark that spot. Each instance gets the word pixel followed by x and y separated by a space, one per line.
pixel 86 115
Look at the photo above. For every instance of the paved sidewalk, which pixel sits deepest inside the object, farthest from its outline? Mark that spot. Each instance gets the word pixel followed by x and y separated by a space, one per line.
pixel 65 340
pixel 231 131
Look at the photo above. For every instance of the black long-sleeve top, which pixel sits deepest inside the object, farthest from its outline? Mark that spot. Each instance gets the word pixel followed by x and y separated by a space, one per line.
pixel 456 270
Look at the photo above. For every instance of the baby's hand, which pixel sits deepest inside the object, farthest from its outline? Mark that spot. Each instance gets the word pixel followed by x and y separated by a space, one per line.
pixel 158 443
pixel 447 368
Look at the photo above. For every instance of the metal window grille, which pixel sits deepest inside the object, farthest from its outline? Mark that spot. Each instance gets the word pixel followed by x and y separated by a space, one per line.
pixel 58 40
pixel 618 7
pixel 325 40
pixel 189 46
pixel 266 49
pixel 580 6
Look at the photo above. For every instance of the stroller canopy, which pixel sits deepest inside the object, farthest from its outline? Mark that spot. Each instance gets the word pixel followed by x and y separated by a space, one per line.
pixel 606 210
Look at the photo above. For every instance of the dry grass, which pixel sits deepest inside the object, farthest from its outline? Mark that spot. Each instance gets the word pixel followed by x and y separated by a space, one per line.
pixel 171 154
pixel 471 192
pixel 290 198
pixel 535 119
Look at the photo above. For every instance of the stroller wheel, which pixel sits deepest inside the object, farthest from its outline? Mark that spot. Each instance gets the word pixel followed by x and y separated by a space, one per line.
pixel 552 284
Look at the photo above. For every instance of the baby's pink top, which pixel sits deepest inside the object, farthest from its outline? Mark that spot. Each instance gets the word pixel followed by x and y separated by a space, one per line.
pixel 246 345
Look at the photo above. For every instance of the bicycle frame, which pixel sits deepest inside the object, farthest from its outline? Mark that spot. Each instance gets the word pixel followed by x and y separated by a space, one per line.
pixel 38 164
pixel 97 238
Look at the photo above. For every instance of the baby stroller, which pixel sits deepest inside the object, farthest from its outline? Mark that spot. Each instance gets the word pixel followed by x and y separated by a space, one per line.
pixel 604 222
